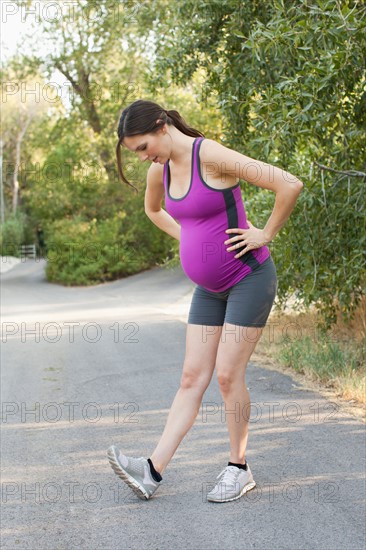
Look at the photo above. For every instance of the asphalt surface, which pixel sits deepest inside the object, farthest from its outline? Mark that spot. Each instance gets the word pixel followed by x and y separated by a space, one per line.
pixel 84 368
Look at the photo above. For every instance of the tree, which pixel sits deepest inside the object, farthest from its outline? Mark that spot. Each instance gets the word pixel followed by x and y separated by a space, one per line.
pixel 289 78
pixel 86 43
pixel 17 116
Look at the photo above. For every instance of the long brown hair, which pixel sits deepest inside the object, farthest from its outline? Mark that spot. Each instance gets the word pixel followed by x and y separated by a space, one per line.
pixel 140 118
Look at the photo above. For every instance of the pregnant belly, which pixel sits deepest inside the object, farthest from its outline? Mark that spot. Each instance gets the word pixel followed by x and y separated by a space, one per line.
pixel 205 260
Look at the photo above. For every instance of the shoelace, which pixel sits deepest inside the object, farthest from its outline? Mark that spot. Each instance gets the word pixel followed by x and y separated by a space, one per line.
pixel 228 475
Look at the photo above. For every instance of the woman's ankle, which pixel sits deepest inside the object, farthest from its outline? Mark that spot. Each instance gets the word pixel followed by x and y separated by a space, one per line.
pixel 158 466
pixel 155 473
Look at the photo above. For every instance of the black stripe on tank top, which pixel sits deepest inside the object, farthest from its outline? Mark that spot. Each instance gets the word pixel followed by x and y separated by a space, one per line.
pixel 232 217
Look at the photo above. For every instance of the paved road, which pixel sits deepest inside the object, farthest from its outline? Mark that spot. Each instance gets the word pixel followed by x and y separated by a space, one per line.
pixel 83 368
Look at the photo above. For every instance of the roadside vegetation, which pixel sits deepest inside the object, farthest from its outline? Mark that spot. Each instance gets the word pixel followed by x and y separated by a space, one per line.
pixel 279 81
pixel 333 357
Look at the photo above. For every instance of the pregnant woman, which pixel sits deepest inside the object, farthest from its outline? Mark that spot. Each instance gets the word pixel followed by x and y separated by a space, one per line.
pixel 228 260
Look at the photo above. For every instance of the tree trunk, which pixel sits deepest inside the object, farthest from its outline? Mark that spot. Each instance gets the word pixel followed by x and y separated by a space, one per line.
pixel 82 88
pixel 19 140
pixel 2 199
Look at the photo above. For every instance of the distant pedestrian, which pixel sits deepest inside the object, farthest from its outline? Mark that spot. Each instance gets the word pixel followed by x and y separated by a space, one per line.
pixel 41 242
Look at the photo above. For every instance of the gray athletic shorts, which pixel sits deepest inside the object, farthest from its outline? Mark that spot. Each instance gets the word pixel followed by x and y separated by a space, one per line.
pixel 247 303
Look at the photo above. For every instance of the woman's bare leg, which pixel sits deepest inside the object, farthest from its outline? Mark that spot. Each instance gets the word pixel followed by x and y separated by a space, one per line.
pixel 234 351
pixel 199 363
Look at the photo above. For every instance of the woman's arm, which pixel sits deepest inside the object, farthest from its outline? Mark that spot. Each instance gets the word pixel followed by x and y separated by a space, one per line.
pixel 286 186
pixel 153 198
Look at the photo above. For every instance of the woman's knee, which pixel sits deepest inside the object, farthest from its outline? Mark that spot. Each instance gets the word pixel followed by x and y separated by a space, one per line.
pixel 225 380
pixel 193 377
pixel 229 376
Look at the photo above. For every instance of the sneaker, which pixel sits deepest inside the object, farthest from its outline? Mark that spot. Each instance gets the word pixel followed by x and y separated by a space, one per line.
pixel 233 483
pixel 133 471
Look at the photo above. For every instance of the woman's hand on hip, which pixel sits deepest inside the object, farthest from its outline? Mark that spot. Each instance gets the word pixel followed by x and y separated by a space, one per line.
pixel 250 239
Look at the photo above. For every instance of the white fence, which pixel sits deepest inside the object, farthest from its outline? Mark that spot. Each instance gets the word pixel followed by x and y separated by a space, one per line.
pixel 28 251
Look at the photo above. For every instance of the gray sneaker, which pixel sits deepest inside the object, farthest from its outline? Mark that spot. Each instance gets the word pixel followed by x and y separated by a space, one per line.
pixel 233 483
pixel 133 471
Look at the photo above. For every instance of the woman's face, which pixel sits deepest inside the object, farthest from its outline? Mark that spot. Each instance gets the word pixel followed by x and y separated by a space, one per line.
pixel 148 146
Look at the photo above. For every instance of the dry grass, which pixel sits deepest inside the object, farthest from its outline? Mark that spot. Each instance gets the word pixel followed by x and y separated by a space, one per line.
pixel 333 362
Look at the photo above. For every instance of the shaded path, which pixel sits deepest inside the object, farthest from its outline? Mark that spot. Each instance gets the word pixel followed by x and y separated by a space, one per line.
pixel 68 393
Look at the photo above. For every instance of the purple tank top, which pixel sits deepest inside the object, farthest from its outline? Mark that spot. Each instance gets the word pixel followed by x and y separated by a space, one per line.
pixel 204 213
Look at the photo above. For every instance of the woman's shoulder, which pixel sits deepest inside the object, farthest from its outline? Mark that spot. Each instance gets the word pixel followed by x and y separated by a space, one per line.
pixel 211 150
pixel 214 160
pixel 155 174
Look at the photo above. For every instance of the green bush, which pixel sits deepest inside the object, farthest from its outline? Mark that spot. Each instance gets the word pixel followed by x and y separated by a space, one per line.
pixel 12 235
pixel 81 252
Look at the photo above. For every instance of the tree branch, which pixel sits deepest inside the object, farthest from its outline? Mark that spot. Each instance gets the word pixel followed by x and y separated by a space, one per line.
pixel 353 173
pixel 66 73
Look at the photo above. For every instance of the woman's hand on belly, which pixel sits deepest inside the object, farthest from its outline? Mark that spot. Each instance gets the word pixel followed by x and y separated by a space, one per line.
pixel 250 239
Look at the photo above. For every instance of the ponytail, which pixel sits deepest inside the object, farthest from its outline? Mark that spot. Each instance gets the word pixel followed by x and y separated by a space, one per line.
pixel 174 118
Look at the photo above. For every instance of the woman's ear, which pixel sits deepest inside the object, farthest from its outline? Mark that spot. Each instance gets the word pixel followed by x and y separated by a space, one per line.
pixel 162 128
